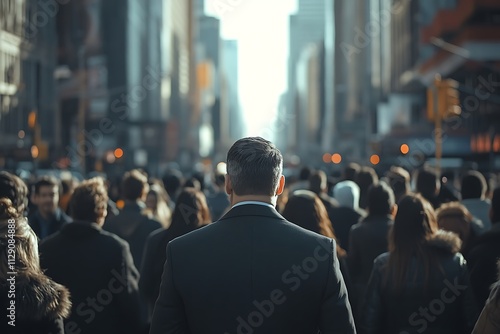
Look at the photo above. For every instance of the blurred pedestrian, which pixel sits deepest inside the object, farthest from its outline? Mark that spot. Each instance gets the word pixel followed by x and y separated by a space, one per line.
pixel 421 285
pixel 95 265
pixel 368 239
pixel 318 184
pixel 365 178
pixel 455 217
pixel 473 189
pixel 48 218
pixel 218 201
pixel 190 213
pixel 14 188
pixel 399 180
pixel 30 301
pixel 348 212
pixel 252 268
pixel 157 205
pixel 427 184
pixel 132 224
pixel 484 253
pixel 305 209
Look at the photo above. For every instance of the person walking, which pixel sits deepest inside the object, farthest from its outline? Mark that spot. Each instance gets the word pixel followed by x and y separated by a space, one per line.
pixel 252 270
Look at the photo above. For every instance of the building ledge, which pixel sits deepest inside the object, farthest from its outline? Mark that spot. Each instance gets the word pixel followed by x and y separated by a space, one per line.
pixel 481 44
pixel 448 20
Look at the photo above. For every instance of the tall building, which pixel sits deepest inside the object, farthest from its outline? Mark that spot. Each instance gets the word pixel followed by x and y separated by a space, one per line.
pixel 348 96
pixel 27 65
pixel 306 27
pixel 230 72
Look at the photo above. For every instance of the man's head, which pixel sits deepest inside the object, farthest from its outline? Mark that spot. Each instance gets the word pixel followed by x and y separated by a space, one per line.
pixel 380 199
pixel 134 186
pixel 89 201
pixel 318 182
pixel 427 183
pixel 46 195
pixel 473 185
pixel 399 180
pixel 254 167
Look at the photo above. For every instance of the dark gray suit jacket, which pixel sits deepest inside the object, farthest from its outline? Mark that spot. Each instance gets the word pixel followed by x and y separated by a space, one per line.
pixel 252 272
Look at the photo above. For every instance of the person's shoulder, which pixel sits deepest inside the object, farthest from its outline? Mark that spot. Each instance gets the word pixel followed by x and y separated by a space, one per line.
pixel 381 260
pixel 112 239
pixel 445 242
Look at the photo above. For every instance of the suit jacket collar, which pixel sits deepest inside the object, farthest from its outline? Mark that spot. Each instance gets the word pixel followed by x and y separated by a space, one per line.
pixel 252 210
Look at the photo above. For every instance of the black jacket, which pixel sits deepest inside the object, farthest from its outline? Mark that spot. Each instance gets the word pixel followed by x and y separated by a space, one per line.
pixel 153 262
pixel 446 306
pixel 133 226
pixel 40 306
pixel 367 240
pixel 343 218
pixel 482 262
pixel 97 267
pixel 252 271
pixel 56 223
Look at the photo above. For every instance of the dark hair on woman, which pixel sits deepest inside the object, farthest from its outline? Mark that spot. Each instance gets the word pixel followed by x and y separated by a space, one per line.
pixel 414 225
pixel 13 188
pixel 191 211
pixel 305 209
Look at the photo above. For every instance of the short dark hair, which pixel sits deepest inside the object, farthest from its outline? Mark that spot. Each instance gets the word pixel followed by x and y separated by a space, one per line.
pixel 399 180
pixel 318 182
pixel 426 183
pixel 351 171
pixel 134 185
pixel 495 206
pixel 473 185
pixel 13 188
pixel 254 166
pixel 46 181
pixel 380 199
pixel 88 199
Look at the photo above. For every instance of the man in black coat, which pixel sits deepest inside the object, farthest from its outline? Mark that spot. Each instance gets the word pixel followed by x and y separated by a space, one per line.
pixel 252 271
pixel 484 254
pixel 132 223
pixel 96 266
pixel 48 218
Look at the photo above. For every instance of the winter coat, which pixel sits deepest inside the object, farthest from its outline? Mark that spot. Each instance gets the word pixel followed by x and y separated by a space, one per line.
pixel 37 306
pixel 445 305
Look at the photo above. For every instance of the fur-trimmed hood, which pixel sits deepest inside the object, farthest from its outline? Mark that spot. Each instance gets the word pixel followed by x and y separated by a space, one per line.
pixel 40 299
pixel 446 241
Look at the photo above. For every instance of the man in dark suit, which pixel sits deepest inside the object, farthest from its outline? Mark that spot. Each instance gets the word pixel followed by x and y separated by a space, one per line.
pixel 484 254
pixel 96 266
pixel 48 217
pixel 252 271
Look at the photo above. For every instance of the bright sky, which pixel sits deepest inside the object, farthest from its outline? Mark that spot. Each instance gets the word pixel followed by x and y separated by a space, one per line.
pixel 261 29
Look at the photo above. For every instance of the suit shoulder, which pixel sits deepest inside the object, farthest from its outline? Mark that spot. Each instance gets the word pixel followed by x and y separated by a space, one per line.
pixel 113 239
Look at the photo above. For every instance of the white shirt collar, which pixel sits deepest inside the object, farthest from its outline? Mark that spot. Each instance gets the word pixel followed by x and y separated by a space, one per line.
pixel 254 202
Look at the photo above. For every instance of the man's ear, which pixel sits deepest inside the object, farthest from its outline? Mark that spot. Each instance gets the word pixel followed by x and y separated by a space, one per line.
pixel 394 210
pixel 281 186
pixel 228 185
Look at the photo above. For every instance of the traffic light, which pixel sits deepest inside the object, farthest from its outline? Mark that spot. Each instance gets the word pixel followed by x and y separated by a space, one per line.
pixel 449 98
pixel 444 96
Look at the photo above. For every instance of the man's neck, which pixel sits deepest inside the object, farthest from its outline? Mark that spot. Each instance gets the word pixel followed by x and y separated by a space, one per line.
pixel 235 199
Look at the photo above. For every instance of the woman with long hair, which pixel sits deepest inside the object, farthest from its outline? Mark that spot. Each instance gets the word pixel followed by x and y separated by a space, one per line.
pixel 305 209
pixel 157 205
pixel 32 303
pixel 191 212
pixel 421 285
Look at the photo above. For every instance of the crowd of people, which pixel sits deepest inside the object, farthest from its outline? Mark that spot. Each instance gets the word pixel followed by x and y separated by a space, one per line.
pixel 248 252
